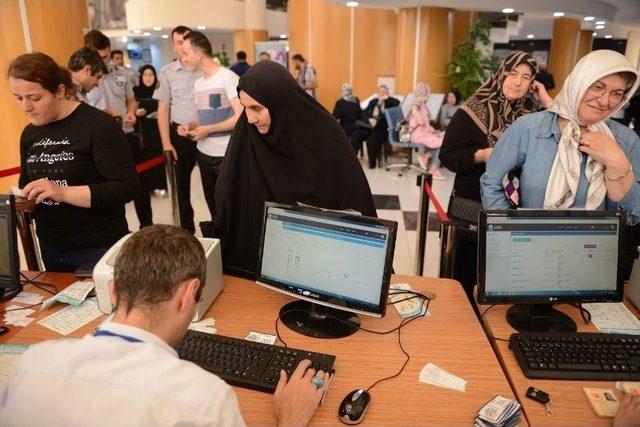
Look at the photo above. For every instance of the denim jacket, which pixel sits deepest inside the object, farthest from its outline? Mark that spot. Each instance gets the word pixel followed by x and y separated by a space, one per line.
pixel 532 142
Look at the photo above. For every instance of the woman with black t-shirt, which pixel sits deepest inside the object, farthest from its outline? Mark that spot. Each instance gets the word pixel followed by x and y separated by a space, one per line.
pixel 77 172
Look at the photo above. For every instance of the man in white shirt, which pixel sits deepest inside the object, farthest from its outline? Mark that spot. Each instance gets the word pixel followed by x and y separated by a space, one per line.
pixel 127 373
pixel 218 107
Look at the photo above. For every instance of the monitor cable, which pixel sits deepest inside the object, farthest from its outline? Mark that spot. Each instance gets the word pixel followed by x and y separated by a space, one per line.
pixel 424 309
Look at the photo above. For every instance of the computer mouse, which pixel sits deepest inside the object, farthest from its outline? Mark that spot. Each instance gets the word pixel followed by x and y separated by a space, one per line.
pixel 354 406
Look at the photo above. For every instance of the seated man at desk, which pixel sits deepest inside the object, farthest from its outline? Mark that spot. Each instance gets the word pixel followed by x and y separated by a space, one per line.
pixel 127 373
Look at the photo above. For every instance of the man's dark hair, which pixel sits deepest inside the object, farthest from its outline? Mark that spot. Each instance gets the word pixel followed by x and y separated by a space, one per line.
pixel 154 262
pixel 180 29
pixel 96 40
pixel 200 42
pixel 298 57
pixel 241 55
pixel 116 52
pixel 264 53
pixel 87 56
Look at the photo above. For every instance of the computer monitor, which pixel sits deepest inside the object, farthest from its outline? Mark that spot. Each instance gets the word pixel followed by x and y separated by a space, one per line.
pixel 337 264
pixel 9 260
pixel 535 258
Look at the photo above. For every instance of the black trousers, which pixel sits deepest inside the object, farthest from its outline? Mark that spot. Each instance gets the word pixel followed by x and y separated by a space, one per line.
pixel 374 149
pixel 209 171
pixel 186 150
pixel 357 138
pixel 142 201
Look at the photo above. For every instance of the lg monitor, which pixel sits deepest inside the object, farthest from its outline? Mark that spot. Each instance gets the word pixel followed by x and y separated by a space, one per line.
pixel 9 260
pixel 534 259
pixel 337 265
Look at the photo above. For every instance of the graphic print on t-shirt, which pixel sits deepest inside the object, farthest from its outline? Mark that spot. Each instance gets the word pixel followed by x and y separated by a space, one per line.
pixel 47 159
pixel 213 107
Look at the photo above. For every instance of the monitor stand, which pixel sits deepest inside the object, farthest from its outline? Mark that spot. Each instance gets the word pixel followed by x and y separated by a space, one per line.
pixel 539 318
pixel 318 321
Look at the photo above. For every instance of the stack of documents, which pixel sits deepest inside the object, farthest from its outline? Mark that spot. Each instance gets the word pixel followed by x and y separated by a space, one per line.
pixel 499 412
pixel 431 374
pixel 17 316
pixel 613 318
pixel 402 301
pixel 74 294
pixel 28 298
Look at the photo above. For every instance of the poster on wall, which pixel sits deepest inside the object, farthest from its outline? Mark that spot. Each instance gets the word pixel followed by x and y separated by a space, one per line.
pixel 277 50
pixel 107 14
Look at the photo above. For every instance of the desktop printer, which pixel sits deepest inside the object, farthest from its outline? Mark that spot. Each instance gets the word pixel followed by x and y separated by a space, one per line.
pixel 103 275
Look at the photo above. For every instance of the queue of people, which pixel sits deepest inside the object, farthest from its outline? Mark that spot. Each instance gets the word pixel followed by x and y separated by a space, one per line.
pixel 264 137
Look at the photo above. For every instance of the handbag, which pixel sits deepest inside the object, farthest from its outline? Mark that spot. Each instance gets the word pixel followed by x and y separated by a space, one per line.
pixel 464 213
pixel 364 125
pixel 403 131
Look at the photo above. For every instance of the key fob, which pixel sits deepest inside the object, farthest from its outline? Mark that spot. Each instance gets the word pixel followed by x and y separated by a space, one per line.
pixel 538 395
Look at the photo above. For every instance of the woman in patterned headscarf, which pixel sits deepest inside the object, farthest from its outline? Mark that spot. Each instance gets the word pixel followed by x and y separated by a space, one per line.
pixel 481 120
pixel 472 133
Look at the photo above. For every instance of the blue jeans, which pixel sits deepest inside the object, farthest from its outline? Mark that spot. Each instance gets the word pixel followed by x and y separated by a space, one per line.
pixel 66 261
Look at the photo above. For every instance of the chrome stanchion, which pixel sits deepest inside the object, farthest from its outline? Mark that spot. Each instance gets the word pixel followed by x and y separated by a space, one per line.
pixel 423 223
pixel 172 187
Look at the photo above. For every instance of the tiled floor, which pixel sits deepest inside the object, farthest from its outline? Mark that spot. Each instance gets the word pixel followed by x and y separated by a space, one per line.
pixel 397 198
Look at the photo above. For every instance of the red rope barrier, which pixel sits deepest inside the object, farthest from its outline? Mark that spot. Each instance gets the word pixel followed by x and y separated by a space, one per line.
pixel 441 213
pixel 9 172
pixel 139 168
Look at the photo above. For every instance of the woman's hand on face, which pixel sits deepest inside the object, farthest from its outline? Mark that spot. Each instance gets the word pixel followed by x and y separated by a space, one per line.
pixel 541 95
pixel 37 191
pixel 25 205
pixel 604 150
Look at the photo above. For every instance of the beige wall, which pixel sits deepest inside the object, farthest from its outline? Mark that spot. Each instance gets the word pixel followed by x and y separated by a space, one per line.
pixel 56 28
pixel 434 48
pixel 244 40
pixel 564 46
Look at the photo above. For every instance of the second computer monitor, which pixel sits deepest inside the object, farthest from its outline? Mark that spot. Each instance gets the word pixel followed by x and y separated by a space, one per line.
pixel 538 258
pixel 336 260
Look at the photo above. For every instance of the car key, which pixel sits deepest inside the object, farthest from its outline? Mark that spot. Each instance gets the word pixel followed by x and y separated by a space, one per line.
pixel 540 397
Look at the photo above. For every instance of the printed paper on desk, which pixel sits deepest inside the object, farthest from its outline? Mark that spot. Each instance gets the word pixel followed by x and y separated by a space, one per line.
pixel 603 401
pixel 261 338
pixel 205 325
pixel 431 374
pixel 408 307
pixel 17 316
pixel 28 298
pixel 73 294
pixel 613 318
pixel 9 353
pixel 630 387
pixel 73 317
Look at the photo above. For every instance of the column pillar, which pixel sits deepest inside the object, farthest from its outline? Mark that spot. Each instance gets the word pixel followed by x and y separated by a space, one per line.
pixel 633 47
pixel 434 50
pixel 406 48
pixel 564 46
pixel 585 43
pixel 254 28
pixel 461 22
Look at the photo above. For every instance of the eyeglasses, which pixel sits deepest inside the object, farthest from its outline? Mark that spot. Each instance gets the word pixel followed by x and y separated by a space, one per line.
pixel 515 74
pixel 598 90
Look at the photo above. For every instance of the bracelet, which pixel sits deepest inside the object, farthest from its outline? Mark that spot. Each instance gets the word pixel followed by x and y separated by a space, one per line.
pixel 617 178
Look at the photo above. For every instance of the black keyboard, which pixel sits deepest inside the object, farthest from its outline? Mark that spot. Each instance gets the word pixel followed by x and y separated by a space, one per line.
pixel 578 356
pixel 246 363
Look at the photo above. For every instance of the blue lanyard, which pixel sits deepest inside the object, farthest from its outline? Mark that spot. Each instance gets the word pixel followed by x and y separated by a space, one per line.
pixel 101 333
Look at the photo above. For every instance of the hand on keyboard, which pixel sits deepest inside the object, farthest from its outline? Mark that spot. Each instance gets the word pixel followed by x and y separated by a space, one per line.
pixel 297 398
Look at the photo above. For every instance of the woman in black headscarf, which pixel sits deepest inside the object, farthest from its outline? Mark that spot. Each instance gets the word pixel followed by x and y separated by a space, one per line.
pixel 285 148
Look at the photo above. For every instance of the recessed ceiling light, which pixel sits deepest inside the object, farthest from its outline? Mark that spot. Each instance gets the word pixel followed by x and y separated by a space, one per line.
pixel 165 36
pixel 156 28
pixel 599 27
pixel 589 18
pixel 608 36
pixel 352 4
pixel 594 34
pixel 137 31
pixel 558 14
pixel 146 34
pixel 283 36
pixel 508 10
pixel 202 27
pixel 530 36
pixel 600 22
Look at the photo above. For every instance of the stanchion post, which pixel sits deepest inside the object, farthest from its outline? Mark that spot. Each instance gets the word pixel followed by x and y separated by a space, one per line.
pixel 423 223
pixel 448 236
pixel 172 187
pixel 29 245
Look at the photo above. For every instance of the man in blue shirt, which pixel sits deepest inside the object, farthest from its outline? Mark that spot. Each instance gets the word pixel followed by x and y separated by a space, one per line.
pixel 241 66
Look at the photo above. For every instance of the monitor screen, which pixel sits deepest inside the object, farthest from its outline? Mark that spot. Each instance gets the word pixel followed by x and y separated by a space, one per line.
pixel 539 256
pixel 335 259
pixel 9 263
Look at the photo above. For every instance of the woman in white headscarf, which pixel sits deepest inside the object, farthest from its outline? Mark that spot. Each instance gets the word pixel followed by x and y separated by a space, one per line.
pixel 423 133
pixel 572 155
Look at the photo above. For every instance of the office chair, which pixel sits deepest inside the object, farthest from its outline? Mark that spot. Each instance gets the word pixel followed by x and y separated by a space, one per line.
pixel 394 116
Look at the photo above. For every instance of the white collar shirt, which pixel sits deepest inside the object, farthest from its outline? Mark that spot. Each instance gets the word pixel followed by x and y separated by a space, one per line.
pixel 112 381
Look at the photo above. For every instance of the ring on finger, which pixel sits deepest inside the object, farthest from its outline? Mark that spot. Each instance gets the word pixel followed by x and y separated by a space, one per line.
pixel 318 381
pixel 586 142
